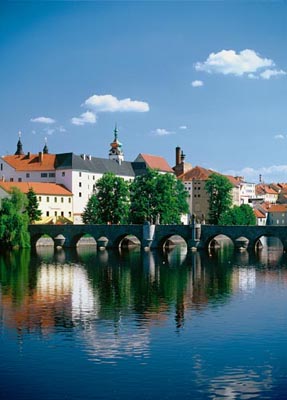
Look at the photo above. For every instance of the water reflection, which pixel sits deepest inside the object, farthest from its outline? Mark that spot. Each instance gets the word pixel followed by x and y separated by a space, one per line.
pixel 115 303
pixel 87 284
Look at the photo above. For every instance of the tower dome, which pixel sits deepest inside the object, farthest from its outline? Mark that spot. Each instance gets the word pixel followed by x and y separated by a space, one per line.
pixel 116 152
pixel 19 151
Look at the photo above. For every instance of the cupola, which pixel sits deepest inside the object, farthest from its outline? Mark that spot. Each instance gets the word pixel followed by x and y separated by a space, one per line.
pixel 19 151
pixel 116 152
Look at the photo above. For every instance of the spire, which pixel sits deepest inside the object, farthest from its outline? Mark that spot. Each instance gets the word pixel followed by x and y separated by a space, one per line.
pixel 45 148
pixel 116 152
pixel 19 150
pixel 116 133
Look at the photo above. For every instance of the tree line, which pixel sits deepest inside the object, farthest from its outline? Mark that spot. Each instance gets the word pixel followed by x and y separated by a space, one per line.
pixel 153 197
pixel 16 213
pixel 221 211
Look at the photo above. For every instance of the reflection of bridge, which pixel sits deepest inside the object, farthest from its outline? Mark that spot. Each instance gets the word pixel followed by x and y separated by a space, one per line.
pixel 154 236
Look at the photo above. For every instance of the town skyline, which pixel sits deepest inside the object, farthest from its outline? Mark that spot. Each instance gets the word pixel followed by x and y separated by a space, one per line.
pixel 208 77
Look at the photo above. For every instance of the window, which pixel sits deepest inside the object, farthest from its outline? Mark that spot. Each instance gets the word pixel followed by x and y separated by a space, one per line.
pixel 47 199
pixel 27 175
pixel 55 199
pixel 56 213
pixel 70 199
pixel 93 177
pixel 62 213
pixel 19 179
pixel 44 175
pixel 80 174
pixel 62 199
pixel 70 214
pixel 1 167
pixel 63 173
pixel 11 180
pixel 52 174
pixel 80 194
pixel 47 213
pixel 80 184
pixel 40 198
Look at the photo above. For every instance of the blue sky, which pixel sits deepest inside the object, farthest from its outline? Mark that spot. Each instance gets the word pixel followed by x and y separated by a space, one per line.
pixel 210 77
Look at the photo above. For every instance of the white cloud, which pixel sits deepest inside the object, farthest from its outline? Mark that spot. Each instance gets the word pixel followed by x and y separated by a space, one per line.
pixel 87 117
pixel 183 127
pixel 61 129
pixel 229 62
pixel 43 120
pixel 196 83
pixel 269 73
pixel 162 132
pixel 280 136
pixel 49 131
pixel 273 173
pixel 109 103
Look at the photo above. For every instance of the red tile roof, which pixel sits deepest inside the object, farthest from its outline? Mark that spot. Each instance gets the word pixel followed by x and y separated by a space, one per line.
pixel 265 189
pixel 278 208
pixel 155 162
pixel 39 188
pixel 259 214
pixel 196 173
pixel 31 162
pixel 202 174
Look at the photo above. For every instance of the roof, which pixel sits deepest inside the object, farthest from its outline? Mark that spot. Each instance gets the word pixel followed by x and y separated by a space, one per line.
pixel 97 165
pixel 259 214
pixel 278 208
pixel 265 189
pixel 39 188
pixel 31 162
pixel 196 173
pixel 154 162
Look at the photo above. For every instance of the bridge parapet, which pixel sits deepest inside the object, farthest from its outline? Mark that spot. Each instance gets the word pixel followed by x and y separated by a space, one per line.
pixel 154 236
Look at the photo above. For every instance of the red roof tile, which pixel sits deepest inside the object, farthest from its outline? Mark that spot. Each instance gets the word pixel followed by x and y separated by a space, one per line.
pixel 196 173
pixel 280 208
pixel 32 162
pixel 155 162
pixel 259 214
pixel 38 187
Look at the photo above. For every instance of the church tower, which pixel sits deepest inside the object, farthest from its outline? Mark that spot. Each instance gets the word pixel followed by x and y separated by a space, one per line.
pixel 116 152
pixel 45 148
pixel 19 151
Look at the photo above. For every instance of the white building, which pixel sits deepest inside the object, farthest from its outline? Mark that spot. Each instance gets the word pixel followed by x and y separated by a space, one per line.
pixel 78 174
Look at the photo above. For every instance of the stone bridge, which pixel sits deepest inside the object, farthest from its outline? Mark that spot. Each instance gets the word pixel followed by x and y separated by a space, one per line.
pixel 155 236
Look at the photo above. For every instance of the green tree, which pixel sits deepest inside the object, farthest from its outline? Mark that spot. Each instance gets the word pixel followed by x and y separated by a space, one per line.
pixel 243 215
pixel 14 221
pixel 220 198
pixel 90 214
pixel 111 202
pixel 32 208
pixel 158 198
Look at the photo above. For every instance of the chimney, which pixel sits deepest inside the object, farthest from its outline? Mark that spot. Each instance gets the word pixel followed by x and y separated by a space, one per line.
pixel 28 154
pixel 40 156
pixel 177 155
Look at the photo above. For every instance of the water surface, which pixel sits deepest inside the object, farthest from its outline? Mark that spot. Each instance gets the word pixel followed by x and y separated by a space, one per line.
pixel 94 324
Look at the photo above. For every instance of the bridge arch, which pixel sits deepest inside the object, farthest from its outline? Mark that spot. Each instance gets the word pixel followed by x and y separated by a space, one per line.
pixel 171 240
pixel 43 239
pixel 218 240
pixel 125 240
pixel 265 241
pixel 79 237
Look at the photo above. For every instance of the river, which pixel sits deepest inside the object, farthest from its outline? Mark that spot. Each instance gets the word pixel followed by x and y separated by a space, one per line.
pixel 88 324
